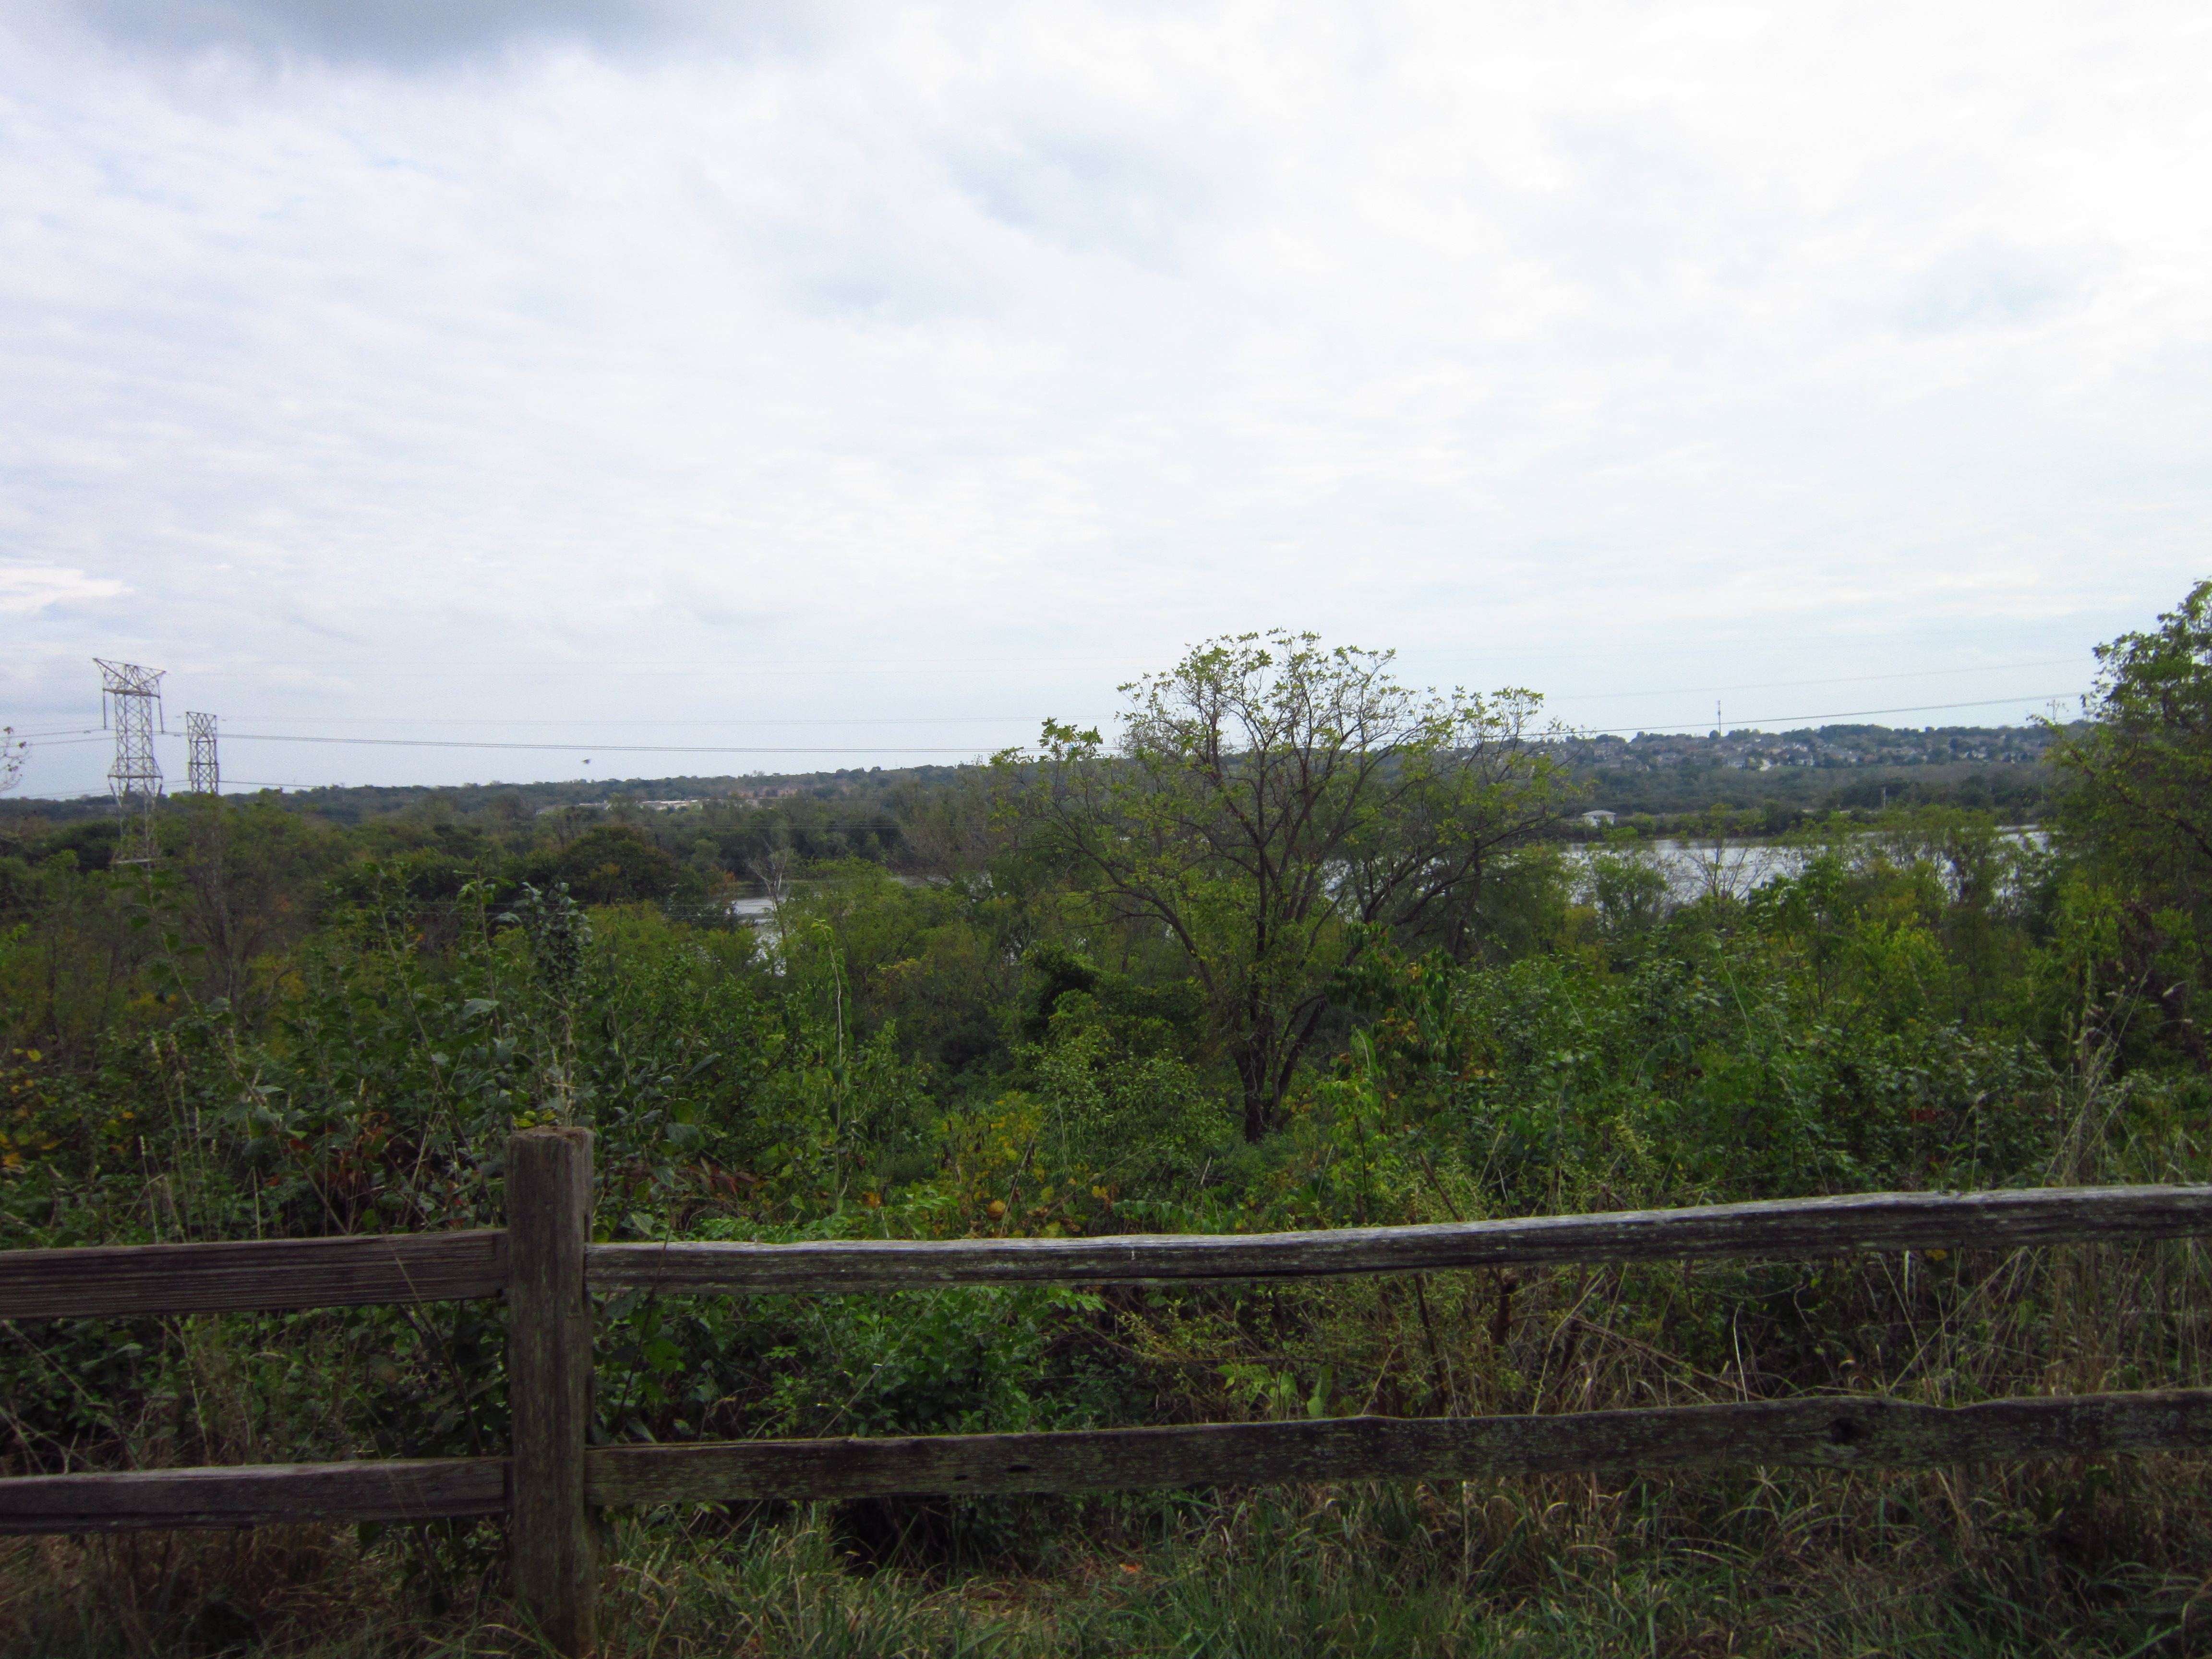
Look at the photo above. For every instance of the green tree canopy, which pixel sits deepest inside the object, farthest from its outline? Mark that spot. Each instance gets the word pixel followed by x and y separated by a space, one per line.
pixel 2140 803
pixel 618 865
pixel 2142 771
pixel 1274 805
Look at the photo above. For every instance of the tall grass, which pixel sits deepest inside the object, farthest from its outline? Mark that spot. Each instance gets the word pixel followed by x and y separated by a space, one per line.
pixel 1994 1562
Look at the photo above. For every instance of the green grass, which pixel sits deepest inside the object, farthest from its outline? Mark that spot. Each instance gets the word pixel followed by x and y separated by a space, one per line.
pixel 1982 1564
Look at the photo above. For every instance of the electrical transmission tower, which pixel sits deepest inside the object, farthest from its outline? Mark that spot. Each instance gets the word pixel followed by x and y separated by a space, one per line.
pixel 202 773
pixel 131 700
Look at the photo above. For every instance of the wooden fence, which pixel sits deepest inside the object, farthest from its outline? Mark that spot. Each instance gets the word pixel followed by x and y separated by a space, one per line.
pixel 545 1265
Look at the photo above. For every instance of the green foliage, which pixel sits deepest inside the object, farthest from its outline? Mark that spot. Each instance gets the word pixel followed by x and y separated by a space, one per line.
pixel 1270 801
pixel 927 957
pixel 2140 805
pixel 618 865
pixel 2144 765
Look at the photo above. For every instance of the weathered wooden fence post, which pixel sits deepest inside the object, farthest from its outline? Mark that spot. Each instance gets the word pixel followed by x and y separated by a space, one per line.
pixel 549 1384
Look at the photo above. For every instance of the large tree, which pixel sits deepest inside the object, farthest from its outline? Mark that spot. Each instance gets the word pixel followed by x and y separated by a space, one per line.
pixel 2140 796
pixel 2142 769
pixel 1274 807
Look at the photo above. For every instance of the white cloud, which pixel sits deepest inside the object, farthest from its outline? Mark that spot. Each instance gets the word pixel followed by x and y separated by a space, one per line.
pixel 402 370
pixel 27 589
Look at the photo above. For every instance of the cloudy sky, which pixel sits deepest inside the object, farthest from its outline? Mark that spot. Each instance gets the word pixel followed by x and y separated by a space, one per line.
pixel 842 384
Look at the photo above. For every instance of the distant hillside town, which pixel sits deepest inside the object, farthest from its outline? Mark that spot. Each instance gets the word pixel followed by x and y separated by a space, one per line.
pixel 1821 746
pixel 1987 768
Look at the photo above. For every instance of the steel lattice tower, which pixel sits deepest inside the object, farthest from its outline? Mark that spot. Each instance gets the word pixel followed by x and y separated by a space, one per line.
pixel 204 775
pixel 131 701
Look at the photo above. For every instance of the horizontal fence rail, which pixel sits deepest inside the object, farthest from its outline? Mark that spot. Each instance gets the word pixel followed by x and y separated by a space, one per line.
pixel 1852 1432
pixel 113 1280
pixel 116 1280
pixel 1784 1227
pixel 1857 1432
pixel 381 1489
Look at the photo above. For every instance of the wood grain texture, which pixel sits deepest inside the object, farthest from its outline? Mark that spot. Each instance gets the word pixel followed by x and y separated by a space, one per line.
pixel 410 1489
pixel 548 1386
pixel 288 1273
pixel 1788 1227
pixel 1856 1433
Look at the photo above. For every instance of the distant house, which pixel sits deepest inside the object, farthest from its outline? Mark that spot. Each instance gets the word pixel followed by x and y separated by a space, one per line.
pixel 1600 819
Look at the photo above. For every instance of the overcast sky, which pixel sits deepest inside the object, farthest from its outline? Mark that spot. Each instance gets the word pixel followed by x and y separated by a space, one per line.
pixel 856 384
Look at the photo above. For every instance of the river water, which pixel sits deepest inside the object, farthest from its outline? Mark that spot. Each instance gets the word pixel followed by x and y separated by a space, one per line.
pixel 1692 868
pixel 1732 869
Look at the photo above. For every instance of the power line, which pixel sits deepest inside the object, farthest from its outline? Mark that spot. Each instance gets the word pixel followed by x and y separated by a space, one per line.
pixel 603 748
pixel 995 720
pixel 968 749
pixel 863 720
pixel 721 749
pixel 129 790
pixel 786 666
pixel 1842 715
pixel 984 719
pixel 1837 680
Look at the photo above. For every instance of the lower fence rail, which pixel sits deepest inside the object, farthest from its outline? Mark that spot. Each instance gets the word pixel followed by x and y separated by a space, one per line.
pixel 1852 1431
pixel 253 1494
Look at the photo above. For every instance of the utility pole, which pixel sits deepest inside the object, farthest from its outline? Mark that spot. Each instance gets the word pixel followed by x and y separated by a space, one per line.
pixel 202 772
pixel 130 697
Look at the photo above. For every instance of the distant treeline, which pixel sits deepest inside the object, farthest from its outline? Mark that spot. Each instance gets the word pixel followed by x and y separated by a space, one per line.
pixel 357 803
pixel 609 851
pixel 1779 778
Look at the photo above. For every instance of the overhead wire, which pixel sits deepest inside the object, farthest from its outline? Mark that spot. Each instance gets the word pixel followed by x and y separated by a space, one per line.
pixel 785 665
pixel 1840 714
pixel 571 748
pixel 723 748
pixel 1747 722
pixel 1843 679
pixel 980 720
pixel 76 736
